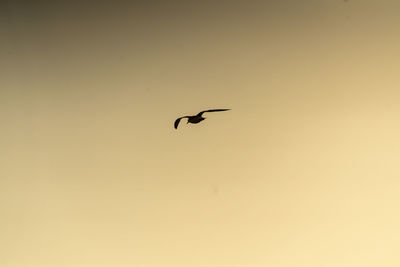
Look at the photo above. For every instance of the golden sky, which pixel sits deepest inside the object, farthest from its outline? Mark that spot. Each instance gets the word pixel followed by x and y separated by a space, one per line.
pixel 303 171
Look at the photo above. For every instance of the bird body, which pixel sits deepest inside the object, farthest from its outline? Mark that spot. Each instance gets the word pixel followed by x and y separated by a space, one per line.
pixel 196 118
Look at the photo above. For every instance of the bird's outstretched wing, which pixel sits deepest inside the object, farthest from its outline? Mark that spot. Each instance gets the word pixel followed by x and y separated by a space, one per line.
pixel 212 110
pixel 176 123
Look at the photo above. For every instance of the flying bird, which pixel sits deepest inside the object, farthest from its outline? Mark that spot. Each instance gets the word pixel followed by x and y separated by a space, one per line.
pixel 196 118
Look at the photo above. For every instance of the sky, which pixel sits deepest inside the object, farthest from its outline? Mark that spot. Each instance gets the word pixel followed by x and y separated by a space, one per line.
pixel 302 171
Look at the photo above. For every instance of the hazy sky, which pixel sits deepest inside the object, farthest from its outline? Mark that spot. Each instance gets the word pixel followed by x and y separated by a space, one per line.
pixel 303 171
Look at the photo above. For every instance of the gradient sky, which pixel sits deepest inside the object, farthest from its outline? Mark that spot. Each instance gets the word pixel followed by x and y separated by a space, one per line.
pixel 303 171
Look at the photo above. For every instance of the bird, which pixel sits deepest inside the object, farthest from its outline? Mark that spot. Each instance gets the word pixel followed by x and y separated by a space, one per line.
pixel 196 118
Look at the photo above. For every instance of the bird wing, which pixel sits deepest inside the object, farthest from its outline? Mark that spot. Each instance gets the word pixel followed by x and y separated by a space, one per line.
pixel 176 123
pixel 212 110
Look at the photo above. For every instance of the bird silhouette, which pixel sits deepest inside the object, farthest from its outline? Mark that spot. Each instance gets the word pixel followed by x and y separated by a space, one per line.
pixel 196 118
